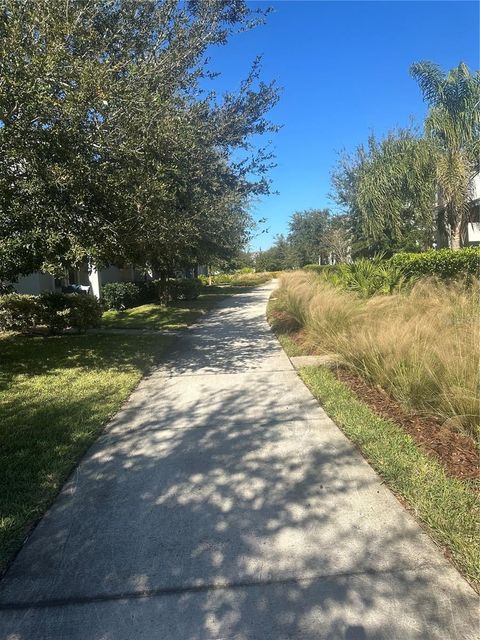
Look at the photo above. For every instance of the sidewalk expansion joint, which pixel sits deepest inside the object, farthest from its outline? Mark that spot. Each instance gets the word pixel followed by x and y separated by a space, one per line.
pixel 204 588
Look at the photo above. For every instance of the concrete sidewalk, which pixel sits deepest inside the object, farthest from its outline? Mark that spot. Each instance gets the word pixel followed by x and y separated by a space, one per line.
pixel 223 503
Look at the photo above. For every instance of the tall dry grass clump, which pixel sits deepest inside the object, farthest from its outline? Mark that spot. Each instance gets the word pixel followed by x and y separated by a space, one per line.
pixel 421 345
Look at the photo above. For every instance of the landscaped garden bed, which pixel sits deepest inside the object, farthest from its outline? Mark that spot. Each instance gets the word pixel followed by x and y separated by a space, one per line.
pixel 404 389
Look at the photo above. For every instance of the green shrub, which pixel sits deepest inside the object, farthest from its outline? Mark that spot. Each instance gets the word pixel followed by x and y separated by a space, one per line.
pixel 6 288
pixel 242 278
pixel 61 310
pixel 368 277
pixel 85 312
pixel 54 310
pixel 120 295
pixel 19 312
pixel 147 291
pixel 185 288
pixel 443 263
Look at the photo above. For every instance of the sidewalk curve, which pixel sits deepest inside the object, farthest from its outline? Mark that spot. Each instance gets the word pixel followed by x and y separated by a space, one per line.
pixel 222 503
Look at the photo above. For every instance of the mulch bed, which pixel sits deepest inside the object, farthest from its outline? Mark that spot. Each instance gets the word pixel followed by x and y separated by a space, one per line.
pixel 457 452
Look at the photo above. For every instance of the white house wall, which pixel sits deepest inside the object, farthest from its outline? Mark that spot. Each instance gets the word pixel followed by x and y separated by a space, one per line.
pixel 35 283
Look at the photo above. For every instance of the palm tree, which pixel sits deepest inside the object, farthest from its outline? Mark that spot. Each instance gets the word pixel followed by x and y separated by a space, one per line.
pixel 453 126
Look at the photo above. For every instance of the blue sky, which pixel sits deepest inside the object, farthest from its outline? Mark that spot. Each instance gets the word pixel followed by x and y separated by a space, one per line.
pixel 343 67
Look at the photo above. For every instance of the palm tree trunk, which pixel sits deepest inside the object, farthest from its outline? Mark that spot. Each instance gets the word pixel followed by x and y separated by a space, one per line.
pixel 455 237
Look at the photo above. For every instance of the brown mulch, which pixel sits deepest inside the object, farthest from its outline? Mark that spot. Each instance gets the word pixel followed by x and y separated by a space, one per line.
pixel 455 451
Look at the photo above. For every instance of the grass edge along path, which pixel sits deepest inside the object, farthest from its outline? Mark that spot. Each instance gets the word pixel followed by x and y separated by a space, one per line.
pixel 177 315
pixel 57 394
pixel 448 506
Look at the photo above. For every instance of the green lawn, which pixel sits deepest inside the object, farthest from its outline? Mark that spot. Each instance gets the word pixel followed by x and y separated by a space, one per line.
pixel 56 394
pixel 176 315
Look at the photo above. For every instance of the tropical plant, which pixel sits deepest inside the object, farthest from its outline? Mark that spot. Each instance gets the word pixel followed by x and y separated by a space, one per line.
pixel 453 126
pixel 387 190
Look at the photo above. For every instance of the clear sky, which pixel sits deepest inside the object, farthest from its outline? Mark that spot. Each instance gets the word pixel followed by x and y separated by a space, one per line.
pixel 344 70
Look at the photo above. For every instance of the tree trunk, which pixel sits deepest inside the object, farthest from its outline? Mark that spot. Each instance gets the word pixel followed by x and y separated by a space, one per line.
pixel 455 237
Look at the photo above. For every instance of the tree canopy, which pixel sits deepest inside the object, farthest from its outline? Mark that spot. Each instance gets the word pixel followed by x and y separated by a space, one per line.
pixel 405 189
pixel 387 189
pixel 110 148
pixel 453 129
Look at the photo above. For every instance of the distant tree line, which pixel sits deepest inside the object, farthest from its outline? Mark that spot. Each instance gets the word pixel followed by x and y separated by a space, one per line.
pixel 315 236
pixel 111 149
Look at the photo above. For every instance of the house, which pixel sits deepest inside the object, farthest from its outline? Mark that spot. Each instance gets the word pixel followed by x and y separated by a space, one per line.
pixel 38 282
pixel 473 227
pixel 470 235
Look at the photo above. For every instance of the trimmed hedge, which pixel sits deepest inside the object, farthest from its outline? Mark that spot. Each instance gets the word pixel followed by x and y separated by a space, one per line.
pixel 239 278
pixel 443 263
pixel 19 312
pixel 124 295
pixel 147 291
pixel 120 295
pixel 56 311
pixel 185 289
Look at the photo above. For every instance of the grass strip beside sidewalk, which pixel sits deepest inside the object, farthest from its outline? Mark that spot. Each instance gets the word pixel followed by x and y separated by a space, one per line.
pixel 177 315
pixel 448 506
pixel 56 395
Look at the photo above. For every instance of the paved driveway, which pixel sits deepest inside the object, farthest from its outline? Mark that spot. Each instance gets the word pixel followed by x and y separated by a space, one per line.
pixel 223 503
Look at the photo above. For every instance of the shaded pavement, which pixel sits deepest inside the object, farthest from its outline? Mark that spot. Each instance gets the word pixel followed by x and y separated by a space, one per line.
pixel 222 503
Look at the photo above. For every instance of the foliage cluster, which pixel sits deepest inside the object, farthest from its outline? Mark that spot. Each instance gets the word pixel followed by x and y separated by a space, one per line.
pixel 125 295
pixel 56 311
pixel 112 147
pixel 238 279
pixel 421 345
pixel 184 289
pixel 405 191
pixel 315 235
pixel 120 295
pixel 380 276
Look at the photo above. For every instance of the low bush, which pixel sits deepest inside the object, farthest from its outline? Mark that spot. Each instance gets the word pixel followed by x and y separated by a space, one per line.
pixel 240 278
pixel 56 311
pixel 85 312
pixel 120 295
pixel 321 268
pixel 184 289
pixel 6 287
pixel 442 263
pixel 421 345
pixel 19 312
pixel 366 277
pixel 147 291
